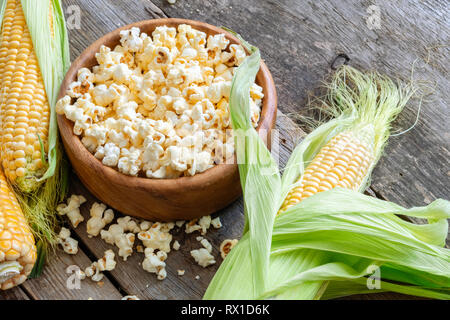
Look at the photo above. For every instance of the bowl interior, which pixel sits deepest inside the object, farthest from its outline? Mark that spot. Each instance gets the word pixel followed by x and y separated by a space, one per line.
pixel 87 59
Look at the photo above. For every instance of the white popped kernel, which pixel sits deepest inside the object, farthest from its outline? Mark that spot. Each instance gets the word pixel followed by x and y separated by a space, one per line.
pixel 156 239
pixel 179 223
pixel 205 243
pixel 72 209
pixel 130 297
pixel 107 263
pixel 128 224
pixel 100 216
pixel 226 246
pixel 154 263
pixel 116 235
pixel 204 223
pixel 216 223
pixel 203 257
pixel 69 244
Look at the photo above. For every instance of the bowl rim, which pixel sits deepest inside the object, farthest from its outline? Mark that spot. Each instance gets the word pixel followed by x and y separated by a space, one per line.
pixel 185 183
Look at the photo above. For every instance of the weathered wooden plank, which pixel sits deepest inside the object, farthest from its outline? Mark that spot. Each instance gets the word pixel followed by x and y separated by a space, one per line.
pixel 102 16
pixel 53 283
pixel 15 293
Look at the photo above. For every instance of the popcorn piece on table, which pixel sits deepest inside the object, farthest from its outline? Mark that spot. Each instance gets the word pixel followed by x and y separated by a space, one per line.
pixel 115 235
pixel 129 224
pixel 130 297
pixel 107 263
pixel 154 263
pixel 203 257
pixel 176 245
pixel 69 244
pixel 145 225
pixel 72 209
pixel 155 238
pixel 179 223
pixel 100 217
pixel 202 224
pixel 216 223
pixel 226 246
pixel 206 244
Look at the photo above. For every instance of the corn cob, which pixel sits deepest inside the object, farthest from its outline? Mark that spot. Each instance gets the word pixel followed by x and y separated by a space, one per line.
pixel 343 162
pixel 17 249
pixel 24 108
pixel 34 56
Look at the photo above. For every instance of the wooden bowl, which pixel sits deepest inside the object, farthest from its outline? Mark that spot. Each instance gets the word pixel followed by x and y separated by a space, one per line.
pixel 159 199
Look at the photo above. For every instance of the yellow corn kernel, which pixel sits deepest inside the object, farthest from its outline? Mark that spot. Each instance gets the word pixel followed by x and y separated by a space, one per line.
pixel 24 109
pixel 344 161
pixel 17 248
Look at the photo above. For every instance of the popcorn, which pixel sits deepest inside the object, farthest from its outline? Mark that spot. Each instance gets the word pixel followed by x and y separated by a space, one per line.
pixel 129 162
pixel 116 235
pixel 72 209
pixel 107 263
pixel 130 39
pixel 217 42
pixel 145 225
pixel 99 218
pixel 130 297
pixel 226 246
pixel 238 52
pixel 146 106
pixel 154 263
pixel 203 257
pixel 204 223
pixel 110 153
pixel 192 226
pixel 155 238
pixel 78 89
pixel 69 244
pixel 216 223
pixel 179 223
pixel 128 224
pixel 205 243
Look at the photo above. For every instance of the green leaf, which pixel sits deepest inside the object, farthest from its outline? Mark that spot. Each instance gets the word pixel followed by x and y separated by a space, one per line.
pixel 260 181
pixel 42 251
pixel 52 51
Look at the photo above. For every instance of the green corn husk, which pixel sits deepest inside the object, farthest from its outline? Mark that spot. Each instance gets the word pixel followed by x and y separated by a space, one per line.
pixel 40 195
pixel 258 171
pixel 327 245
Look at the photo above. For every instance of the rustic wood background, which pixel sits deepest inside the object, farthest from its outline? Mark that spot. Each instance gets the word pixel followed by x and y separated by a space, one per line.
pixel 299 41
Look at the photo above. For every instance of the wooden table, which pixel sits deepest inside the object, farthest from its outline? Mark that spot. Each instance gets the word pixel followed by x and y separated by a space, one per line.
pixel 299 41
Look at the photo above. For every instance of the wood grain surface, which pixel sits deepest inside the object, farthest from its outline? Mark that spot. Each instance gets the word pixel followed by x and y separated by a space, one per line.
pixel 299 41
